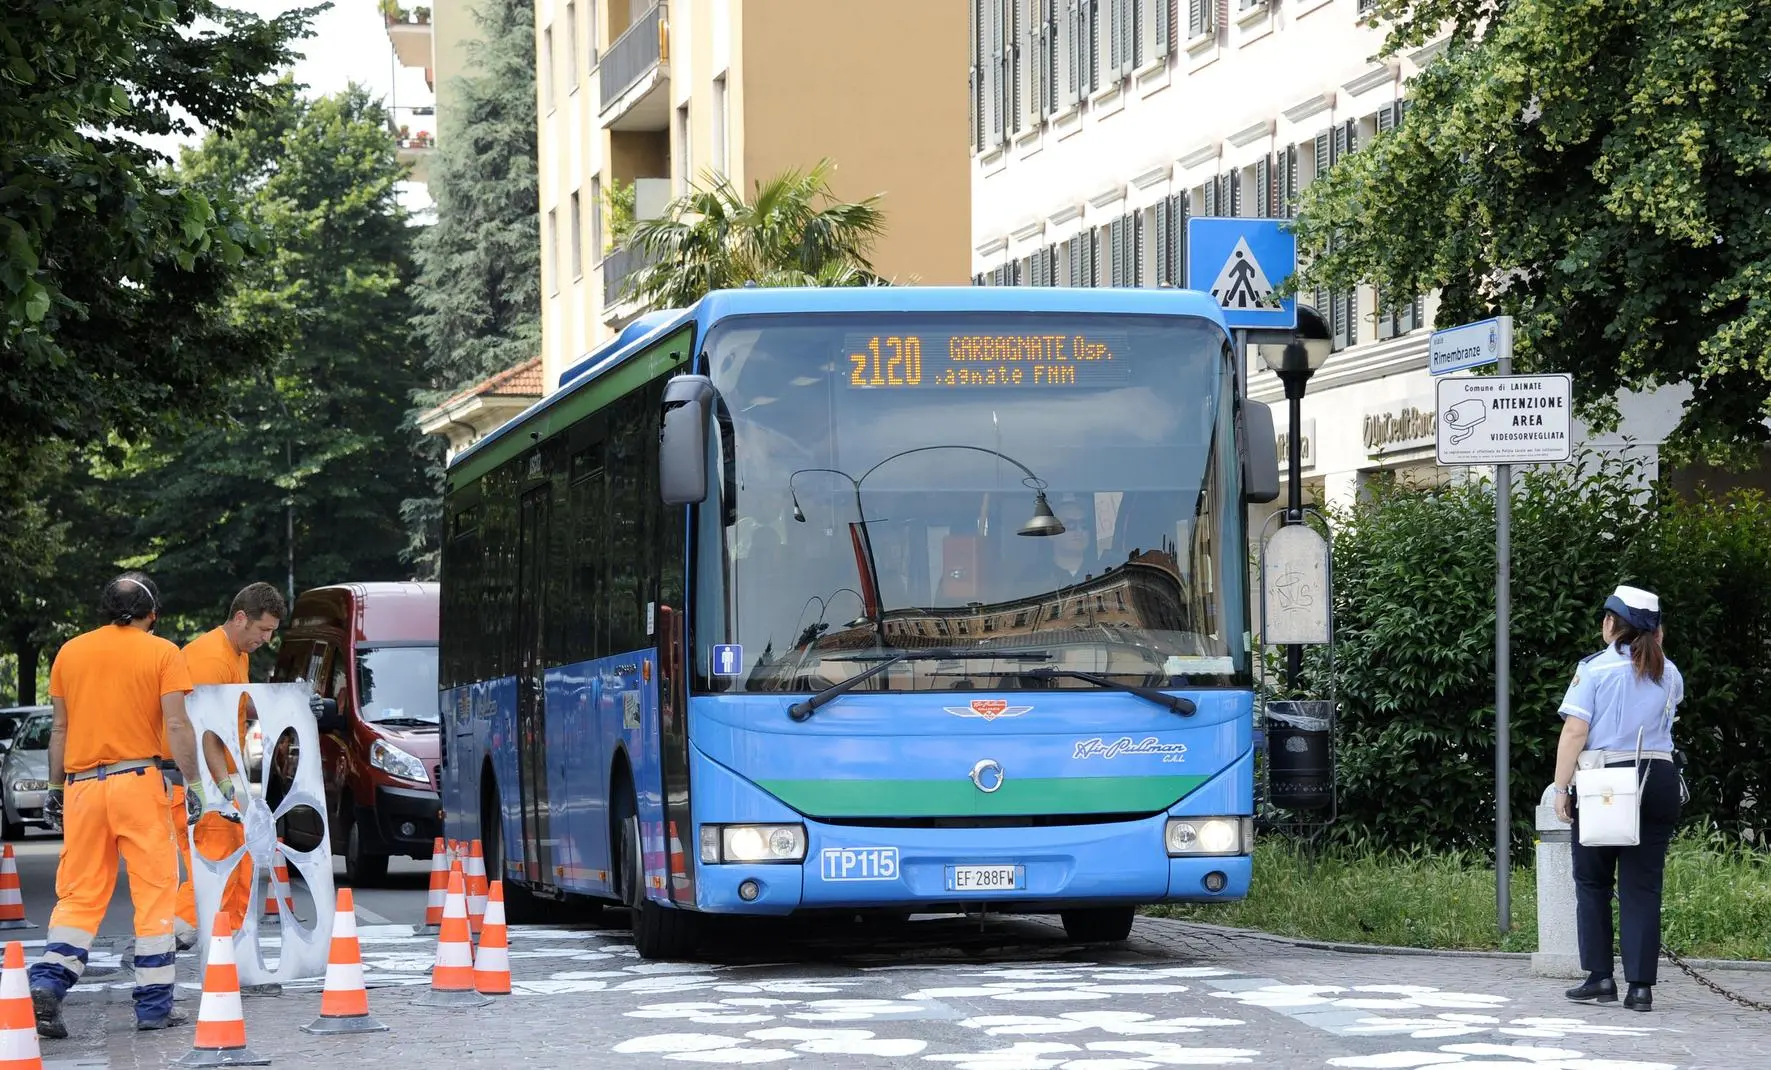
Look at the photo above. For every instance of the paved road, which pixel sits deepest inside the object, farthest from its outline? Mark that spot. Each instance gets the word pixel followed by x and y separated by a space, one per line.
pixel 400 902
pixel 948 993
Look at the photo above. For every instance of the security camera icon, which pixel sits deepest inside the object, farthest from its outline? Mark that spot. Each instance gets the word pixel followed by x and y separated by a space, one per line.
pixel 1463 418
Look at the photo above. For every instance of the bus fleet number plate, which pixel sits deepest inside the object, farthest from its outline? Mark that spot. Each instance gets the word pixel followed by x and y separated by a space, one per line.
pixel 986 878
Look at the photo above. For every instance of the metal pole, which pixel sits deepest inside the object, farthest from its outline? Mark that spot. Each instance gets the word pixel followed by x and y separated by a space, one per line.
pixel 289 515
pixel 1503 671
pixel 1294 653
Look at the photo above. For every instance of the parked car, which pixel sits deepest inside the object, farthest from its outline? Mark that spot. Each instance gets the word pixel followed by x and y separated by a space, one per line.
pixel 370 652
pixel 24 771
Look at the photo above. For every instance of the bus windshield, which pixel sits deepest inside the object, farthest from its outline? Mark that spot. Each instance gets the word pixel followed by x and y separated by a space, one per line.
pixel 899 481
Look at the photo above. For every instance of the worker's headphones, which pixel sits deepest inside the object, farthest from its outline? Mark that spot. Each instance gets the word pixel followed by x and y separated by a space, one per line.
pixel 153 600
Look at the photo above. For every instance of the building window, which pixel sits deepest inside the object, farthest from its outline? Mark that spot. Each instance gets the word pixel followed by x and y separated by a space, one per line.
pixel 722 120
pixel 684 171
pixel 553 255
pixel 1202 18
pixel 590 29
pixel 596 217
pixel 571 49
pixel 576 226
pixel 547 69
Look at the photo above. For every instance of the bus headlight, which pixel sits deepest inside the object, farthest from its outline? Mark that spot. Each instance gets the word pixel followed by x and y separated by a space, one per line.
pixel 1209 835
pixel 752 843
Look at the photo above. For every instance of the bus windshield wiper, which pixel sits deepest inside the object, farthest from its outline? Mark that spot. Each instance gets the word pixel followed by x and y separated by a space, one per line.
pixel 1174 703
pixel 799 711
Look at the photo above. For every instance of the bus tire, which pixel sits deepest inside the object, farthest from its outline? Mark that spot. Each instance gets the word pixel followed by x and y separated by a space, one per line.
pixel 658 932
pixel 1099 925
pixel 520 907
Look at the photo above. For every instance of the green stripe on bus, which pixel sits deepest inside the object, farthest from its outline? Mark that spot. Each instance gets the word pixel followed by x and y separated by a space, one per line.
pixel 958 797
pixel 638 370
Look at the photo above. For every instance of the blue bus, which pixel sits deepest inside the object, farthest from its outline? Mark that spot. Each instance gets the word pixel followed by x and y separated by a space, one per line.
pixel 898 600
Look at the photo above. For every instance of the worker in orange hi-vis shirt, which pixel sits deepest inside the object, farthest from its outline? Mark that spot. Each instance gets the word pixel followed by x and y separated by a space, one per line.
pixel 118 693
pixel 219 656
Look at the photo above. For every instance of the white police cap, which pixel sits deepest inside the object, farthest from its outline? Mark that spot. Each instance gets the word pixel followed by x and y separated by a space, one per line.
pixel 1641 608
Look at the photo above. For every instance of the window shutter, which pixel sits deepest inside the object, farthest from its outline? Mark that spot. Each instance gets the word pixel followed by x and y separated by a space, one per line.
pixel 1094 257
pixel 1386 118
pixel 1092 44
pixel 1073 265
pixel 977 75
pixel 1033 60
pixel 1179 207
pixel 1199 17
pixel 1263 177
pixel 1324 154
pixel 1165 272
pixel 1137 248
pixel 1125 34
pixel 992 60
pixel 1338 145
pixel 1232 195
pixel 1211 196
pixel 1289 200
pixel 1352 145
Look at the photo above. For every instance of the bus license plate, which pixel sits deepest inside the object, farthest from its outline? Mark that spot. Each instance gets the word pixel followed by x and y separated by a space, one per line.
pixel 985 878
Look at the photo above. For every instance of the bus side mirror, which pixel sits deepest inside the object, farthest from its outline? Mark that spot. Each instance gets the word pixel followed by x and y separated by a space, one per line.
pixel 1260 454
pixel 682 440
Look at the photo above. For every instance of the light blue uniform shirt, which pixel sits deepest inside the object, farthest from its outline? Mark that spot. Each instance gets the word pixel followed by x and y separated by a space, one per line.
pixel 1615 701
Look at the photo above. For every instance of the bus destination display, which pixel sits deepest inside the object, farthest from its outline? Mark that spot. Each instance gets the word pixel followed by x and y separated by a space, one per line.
pixel 962 360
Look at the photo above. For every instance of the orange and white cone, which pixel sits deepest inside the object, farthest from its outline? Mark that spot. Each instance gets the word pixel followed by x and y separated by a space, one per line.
pixel 344 1002
pixel 12 901
pixel 18 1023
pixel 439 886
pixel 475 872
pixel 491 964
pixel 451 979
pixel 221 1023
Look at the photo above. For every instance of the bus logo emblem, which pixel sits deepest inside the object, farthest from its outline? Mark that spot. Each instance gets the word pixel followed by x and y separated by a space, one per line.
pixel 987 775
pixel 987 708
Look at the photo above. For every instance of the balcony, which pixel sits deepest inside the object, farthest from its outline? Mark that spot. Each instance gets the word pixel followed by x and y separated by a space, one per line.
pixel 618 267
pixel 410 32
pixel 414 148
pixel 634 76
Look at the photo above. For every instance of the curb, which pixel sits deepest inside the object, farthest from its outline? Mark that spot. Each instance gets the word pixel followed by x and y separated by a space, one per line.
pixel 1743 965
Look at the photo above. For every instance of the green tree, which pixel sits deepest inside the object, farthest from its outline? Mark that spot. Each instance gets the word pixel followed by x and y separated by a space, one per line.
pixel 113 269
pixel 318 436
pixel 791 232
pixel 479 264
pixel 1600 172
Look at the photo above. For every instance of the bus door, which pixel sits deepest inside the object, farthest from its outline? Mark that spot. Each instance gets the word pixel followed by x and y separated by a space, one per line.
pixel 535 511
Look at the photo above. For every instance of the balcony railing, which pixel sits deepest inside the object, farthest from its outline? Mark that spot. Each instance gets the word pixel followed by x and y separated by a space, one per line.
pixel 632 55
pixel 618 267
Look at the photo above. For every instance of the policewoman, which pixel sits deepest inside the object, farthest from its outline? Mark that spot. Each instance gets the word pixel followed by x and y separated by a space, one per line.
pixel 114 689
pixel 1625 692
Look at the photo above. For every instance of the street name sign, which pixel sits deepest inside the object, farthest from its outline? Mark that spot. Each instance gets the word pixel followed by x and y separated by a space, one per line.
pixel 1505 419
pixel 1240 263
pixel 1473 345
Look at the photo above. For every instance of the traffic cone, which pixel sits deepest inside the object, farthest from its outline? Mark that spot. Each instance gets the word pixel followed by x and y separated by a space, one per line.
pixel 475 872
pixel 344 1002
pixel 451 979
pixel 439 885
pixel 221 1024
pixel 12 902
pixel 18 1023
pixel 491 964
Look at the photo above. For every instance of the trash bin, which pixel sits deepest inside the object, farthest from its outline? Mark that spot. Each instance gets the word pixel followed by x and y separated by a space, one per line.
pixel 1300 761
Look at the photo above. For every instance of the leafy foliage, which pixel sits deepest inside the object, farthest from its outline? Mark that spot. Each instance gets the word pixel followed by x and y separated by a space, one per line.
pixel 1600 172
pixel 321 426
pixel 113 271
pixel 791 232
pixel 1414 650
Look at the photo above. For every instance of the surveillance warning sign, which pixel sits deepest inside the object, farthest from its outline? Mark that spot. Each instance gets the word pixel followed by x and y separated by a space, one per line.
pixel 1505 419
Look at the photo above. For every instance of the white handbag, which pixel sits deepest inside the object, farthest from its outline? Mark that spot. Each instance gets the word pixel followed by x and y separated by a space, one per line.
pixel 1609 800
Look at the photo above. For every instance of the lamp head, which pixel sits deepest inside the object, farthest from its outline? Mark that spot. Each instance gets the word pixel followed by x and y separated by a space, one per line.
pixel 1044 521
pixel 798 513
pixel 1309 347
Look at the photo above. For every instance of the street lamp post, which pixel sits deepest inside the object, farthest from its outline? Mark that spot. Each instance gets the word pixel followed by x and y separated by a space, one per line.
pixel 1043 521
pixel 1294 362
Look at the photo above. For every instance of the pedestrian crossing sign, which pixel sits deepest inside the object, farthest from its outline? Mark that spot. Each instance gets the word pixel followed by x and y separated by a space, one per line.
pixel 1241 263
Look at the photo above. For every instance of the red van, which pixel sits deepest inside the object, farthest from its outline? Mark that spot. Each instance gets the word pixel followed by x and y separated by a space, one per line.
pixel 370 650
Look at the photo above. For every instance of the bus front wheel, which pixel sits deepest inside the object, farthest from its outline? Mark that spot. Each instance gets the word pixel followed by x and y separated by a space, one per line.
pixel 1099 925
pixel 658 932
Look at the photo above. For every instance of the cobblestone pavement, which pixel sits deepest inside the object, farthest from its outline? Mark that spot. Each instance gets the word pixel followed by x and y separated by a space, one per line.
pixel 948 993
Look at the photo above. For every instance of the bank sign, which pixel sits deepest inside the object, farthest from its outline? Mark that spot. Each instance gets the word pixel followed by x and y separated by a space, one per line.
pixel 1505 419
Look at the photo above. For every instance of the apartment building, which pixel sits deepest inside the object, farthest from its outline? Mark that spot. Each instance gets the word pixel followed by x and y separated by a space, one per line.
pixel 649 96
pixel 1100 126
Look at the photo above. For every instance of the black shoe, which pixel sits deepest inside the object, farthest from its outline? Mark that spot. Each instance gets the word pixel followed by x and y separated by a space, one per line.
pixel 1603 990
pixel 48 1007
pixel 1641 998
pixel 169 1021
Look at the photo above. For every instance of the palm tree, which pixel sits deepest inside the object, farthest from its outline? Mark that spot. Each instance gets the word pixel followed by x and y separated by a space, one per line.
pixel 792 232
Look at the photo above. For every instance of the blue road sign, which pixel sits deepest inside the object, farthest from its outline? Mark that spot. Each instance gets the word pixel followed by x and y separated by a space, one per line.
pixel 1240 262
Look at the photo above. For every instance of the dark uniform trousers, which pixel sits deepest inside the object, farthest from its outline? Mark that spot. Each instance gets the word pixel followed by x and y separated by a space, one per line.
pixel 1636 872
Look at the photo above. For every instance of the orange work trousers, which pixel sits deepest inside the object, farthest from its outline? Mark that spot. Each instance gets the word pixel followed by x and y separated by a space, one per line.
pixel 217 838
pixel 124 817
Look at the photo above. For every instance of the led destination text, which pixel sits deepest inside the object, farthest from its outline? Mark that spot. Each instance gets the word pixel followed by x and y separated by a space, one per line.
pixel 976 360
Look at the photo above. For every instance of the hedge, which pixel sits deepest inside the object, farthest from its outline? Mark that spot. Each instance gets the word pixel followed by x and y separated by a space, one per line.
pixel 1414 644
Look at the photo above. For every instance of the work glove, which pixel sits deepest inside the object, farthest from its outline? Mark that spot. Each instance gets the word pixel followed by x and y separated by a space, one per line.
pixel 315 704
pixel 52 808
pixel 193 802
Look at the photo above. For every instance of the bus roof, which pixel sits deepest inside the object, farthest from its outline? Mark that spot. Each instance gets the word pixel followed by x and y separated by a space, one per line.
pixel 756 301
